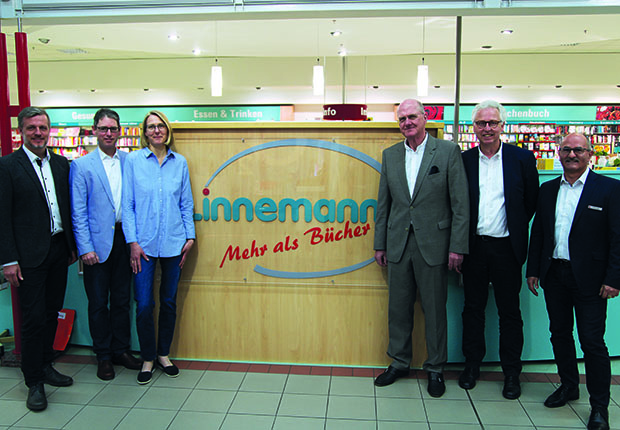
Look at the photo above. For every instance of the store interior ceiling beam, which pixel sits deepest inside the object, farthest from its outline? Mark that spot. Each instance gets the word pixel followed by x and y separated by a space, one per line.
pixel 149 10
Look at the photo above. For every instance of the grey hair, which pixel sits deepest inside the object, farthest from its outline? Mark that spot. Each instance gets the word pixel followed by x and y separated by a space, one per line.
pixel 503 116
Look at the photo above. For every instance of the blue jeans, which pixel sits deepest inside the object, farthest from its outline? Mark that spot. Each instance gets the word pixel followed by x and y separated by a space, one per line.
pixel 143 285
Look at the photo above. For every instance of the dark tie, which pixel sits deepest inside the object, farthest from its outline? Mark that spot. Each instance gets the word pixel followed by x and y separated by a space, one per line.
pixel 49 206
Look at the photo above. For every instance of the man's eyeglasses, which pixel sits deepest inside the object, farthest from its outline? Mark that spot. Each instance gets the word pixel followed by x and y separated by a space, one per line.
pixel 106 129
pixel 578 150
pixel 153 127
pixel 491 124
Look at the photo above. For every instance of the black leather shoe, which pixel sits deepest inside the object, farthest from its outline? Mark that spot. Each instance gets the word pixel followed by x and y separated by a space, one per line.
pixel 36 398
pixel 599 419
pixel 105 370
pixel 561 396
pixel 512 387
pixel 128 361
pixel 468 377
pixel 436 385
pixel 55 378
pixel 390 376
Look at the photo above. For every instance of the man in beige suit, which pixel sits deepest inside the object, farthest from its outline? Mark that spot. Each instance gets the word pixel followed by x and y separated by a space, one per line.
pixel 421 231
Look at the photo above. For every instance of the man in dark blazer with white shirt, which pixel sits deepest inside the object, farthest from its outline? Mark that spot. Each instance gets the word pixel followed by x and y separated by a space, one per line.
pixel 37 245
pixel 421 232
pixel 96 182
pixel 503 189
pixel 574 255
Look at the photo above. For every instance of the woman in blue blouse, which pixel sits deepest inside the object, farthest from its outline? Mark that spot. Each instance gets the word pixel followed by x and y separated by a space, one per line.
pixel 158 224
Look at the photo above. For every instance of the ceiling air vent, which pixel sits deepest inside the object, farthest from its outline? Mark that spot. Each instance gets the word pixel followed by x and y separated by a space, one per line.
pixel 73 51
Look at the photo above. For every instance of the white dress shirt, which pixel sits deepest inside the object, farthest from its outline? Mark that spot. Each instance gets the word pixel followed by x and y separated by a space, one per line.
pixel 44 173
pixel 413 159
pixel 112 166
pixel 492 204
pixel 565 207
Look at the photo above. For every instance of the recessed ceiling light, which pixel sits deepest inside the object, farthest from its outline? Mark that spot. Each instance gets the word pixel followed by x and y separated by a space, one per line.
pixel 342 52
pixel 41 91
pixel 93 90
pixel 498 86
pixel 507 31
pixel 196 51
pixel 436 86
pixel 376 87
pixel 44 40
pixel 173 36
pixel 558 86
pixel 618 85
pixel 147 89
pixel 258 88
pixel 336 33
pixel 486 47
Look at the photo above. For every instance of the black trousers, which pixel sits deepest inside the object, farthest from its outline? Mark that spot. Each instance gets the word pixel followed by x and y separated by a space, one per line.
pixel 564 299
pixel 109 282
pixel 41 295
pixel 492 260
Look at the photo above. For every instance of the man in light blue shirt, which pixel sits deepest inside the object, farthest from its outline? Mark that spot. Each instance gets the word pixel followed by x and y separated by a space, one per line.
pixel 96 182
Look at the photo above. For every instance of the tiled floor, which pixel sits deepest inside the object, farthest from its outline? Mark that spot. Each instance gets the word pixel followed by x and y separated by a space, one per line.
pixel 233 396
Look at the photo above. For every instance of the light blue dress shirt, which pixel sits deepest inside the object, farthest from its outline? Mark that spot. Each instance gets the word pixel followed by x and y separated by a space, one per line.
pixel 158 207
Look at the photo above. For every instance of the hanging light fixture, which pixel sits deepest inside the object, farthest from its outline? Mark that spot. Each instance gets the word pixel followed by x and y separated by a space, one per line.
pixel 216 80
pixel 216 74
pixel 422 84
pixel 318 79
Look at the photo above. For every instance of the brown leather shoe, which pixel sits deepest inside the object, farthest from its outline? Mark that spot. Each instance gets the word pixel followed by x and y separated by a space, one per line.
pixel 127 360
pixel 105 370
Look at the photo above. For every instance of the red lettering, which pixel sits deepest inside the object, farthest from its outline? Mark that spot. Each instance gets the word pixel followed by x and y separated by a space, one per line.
pixel 329 234
pixel 357 232
pixel 231 253
pixel 316 237
pixel 245 254
pixel 347 231
pixel 339 235
pixel 366 228
pixel 279 247
pixel 295 244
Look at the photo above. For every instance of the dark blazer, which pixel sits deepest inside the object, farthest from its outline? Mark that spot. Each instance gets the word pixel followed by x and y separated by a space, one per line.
pixel 438 209
pixel 520 193
pixel 24 215
pixel 594 238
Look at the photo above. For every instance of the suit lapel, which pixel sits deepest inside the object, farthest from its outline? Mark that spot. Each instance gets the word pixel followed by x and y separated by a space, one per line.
pixel 588 190
pixel 551 203
pixel 24 161
pixel 508 172
pixel 402 170
pixel 99 170
pixel 425 165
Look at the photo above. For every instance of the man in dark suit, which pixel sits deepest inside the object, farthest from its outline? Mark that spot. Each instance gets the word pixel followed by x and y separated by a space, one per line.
pixel 96 181
pixel 503 189
pixel 575 255
pixel 421 232
pixel 37 246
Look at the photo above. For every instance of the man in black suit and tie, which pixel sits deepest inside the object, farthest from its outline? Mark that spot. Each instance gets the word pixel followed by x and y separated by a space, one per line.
pixel 421 232
pixel 575 256
pixel 37 246
pixel 503 189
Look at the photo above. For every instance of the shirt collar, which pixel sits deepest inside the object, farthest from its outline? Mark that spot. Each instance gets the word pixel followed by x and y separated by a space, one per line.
pixel 421 146
pixel 105 156
pixel 148 153
pixel 497 155
pixel 33 157
pixel 582 178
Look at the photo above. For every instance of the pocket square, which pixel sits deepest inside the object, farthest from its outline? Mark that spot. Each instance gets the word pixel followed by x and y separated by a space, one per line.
pixel 434 170
pixel 595 208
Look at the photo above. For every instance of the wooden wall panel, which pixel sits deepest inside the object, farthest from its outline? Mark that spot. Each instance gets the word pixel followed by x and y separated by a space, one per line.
pixel 229 311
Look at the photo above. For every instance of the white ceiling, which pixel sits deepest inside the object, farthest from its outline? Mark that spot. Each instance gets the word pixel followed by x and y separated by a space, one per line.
pixel 120 60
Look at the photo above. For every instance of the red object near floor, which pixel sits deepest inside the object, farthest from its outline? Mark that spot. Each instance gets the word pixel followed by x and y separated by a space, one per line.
pixel 65 326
